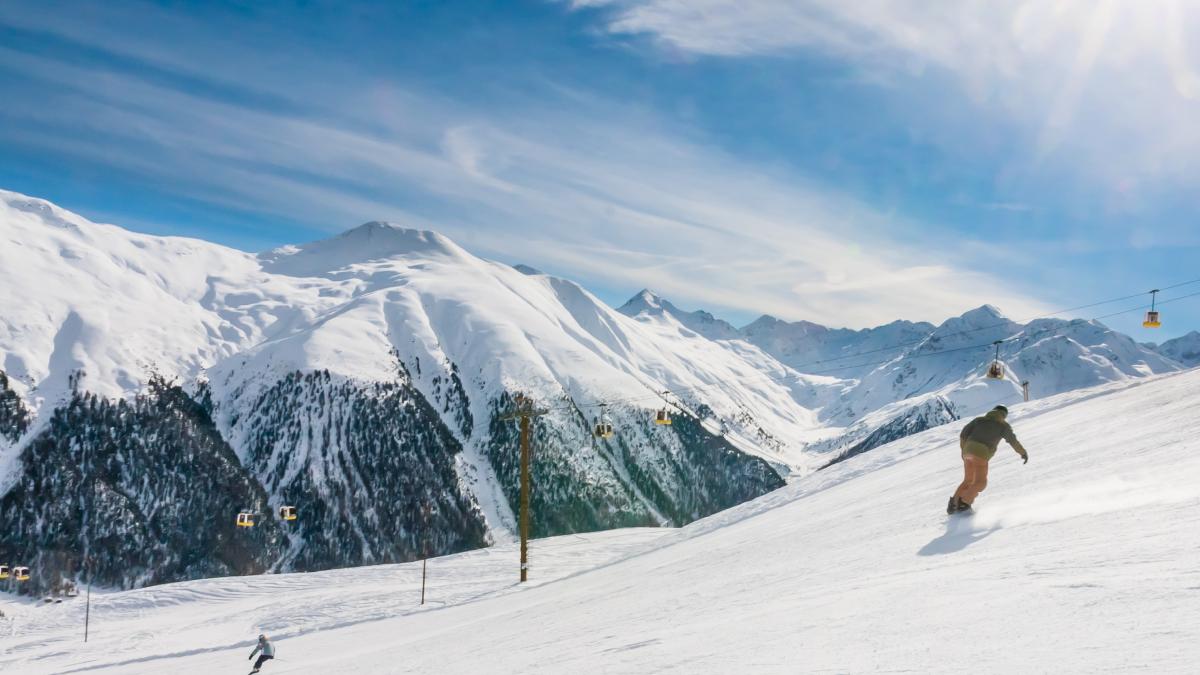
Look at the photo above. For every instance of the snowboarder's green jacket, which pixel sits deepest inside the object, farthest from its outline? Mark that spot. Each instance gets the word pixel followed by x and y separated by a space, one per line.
pixel 982 436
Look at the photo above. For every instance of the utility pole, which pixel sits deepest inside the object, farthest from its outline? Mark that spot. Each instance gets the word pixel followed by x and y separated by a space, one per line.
pixel 524 412
pixel 424 547
pixel 87 614
pixel 88 557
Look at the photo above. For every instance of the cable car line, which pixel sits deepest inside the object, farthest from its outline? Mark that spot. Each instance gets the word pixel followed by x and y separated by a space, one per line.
pixel 1021 335
pixel 1013 338
pixel 988 327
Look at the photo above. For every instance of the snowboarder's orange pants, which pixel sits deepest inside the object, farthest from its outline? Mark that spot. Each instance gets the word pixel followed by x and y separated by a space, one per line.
pixel 975 470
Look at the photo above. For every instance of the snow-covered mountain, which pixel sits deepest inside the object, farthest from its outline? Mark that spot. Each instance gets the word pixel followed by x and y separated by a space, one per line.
pixel 810 347
pixel 903 377
pixel 648 304
pixel 1185 349
pixel 363 379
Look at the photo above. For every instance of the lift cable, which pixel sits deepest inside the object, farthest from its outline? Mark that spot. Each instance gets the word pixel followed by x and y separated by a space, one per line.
pixel 1019 336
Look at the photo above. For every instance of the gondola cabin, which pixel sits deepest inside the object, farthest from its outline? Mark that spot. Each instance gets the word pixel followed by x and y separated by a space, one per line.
pixel 1152 315
pixel 287 512
pixel 662 417
pixel 21 573
pixel 4 573
pixel 603 430
pixel 996 370
pixel 245 520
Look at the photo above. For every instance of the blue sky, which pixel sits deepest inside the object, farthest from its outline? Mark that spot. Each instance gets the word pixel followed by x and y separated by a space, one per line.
pixel 845 163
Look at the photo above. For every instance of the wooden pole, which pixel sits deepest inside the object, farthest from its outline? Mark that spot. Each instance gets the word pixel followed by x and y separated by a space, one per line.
pixel 87 615
pixel 88 560
pixel 524 412
pixel 424 546
pixel 524 494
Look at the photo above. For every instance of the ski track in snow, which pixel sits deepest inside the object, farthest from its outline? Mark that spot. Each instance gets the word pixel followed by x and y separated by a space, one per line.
pixel 1082 561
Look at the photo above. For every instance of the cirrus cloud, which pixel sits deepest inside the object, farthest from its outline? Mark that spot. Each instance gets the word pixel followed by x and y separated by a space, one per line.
pixel 579 184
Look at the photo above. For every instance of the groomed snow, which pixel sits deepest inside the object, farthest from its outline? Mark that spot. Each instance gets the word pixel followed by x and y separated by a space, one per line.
pixel 1082 561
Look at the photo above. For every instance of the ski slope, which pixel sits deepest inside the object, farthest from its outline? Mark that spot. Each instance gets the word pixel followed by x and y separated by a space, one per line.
pixel 130 630
pixel 1082 561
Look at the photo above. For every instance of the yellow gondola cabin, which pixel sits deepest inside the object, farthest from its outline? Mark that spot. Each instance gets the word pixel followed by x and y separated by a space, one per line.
pixel 1152 320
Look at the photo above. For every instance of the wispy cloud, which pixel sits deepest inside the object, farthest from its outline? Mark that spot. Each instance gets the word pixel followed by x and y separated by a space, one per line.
pixel 1109 87
pixel 588 187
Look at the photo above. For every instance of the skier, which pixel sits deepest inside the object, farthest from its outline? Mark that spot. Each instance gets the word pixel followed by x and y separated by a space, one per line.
pixel 268 652
pixel 978 442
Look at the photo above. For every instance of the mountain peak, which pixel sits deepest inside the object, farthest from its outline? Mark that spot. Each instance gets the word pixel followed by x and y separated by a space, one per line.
pixel 983 318
pixel 762 321
pixel 767 323
pixel 648 303
pixel 649 296
pixel 397 238
pixel 372 241
pixel 527 270
pixel 985 313
pixel 646 300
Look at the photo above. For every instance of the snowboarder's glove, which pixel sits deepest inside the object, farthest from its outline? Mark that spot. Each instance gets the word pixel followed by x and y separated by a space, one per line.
pixel 1025 456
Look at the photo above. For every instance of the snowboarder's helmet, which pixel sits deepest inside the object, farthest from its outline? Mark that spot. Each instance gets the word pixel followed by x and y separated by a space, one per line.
pixel 1002 410
pixel 261 637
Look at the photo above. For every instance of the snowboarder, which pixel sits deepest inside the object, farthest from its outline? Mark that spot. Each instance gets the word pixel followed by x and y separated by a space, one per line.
pixel 978 442
pixel 268 652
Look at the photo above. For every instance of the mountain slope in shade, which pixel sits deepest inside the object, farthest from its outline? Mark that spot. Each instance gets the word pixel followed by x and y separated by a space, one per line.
pixel 139 488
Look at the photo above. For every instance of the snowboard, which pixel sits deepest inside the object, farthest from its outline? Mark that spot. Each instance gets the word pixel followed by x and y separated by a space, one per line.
pixel 965 512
